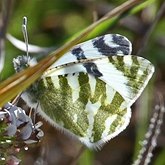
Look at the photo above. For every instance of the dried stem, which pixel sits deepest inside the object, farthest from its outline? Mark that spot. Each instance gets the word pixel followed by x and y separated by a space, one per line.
pixel 150 141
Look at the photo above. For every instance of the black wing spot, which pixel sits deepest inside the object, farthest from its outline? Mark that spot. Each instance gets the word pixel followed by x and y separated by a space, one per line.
pixel 92 69
pixel 120 40
pixel 104 49
pixel 123 45
pixel 79 53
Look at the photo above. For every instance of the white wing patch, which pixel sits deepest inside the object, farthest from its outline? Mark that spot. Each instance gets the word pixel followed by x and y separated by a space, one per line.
pixel 91 110
pixel 110 93
pixel 92 83
pixel 64 69
pixel 67 58
pixel 75 117
pixel 55 81
pixel 74 84
pixel 127 61
pixel 108 123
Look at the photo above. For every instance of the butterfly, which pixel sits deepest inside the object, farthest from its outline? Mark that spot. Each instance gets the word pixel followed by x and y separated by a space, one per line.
pixel 88 92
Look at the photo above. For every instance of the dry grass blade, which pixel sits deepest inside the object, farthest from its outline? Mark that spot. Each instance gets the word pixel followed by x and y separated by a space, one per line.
pixel 150 141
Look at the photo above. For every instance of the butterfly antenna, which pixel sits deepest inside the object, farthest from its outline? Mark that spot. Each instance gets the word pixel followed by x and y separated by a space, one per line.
pixel 25 34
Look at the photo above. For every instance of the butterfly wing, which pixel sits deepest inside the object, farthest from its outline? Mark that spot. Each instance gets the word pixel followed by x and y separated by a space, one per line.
pixel 128 75
pixel 92 98
pixel 83 106
pixel 106 45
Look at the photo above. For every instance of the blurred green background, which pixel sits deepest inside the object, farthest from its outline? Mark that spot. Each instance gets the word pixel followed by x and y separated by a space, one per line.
pixel 50 24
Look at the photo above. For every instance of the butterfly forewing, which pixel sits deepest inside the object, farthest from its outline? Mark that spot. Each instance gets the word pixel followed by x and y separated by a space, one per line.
pixel 107 45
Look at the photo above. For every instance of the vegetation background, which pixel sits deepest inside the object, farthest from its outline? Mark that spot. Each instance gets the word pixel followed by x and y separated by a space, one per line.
pixel 50 24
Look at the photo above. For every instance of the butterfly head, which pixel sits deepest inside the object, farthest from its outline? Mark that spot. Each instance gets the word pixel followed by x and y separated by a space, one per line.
pixel 23 62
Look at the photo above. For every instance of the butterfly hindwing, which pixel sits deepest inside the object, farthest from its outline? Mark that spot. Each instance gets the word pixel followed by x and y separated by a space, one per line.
pixel 84 106
pixel 126 74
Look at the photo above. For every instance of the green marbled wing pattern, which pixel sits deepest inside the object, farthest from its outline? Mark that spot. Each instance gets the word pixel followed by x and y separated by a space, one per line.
pixel 94 109
pixel 94 117
pixel 128 75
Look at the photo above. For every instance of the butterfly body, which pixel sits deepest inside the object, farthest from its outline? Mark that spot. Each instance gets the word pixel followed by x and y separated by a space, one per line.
pixel 88 92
